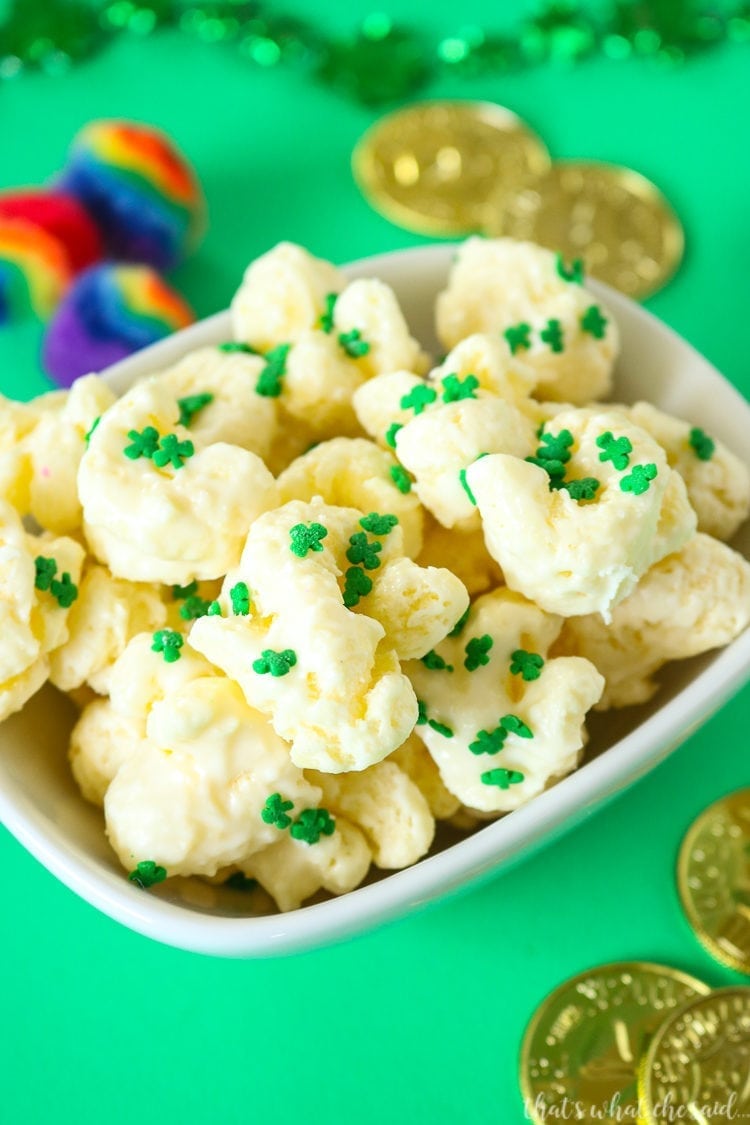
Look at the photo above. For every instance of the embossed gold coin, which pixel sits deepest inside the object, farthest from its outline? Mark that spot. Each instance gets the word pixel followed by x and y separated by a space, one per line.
pixel 581 1051
pixel 433 167
pixel 613 218
pixel 713 877
pixel 697 1066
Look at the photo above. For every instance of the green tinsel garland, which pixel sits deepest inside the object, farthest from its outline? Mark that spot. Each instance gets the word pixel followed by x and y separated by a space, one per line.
pixel 381 61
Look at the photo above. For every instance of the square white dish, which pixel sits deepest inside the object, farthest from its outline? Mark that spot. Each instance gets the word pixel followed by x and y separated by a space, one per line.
pixel 40 805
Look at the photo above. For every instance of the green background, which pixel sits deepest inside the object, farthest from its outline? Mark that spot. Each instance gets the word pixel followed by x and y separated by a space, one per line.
pixel 421 1020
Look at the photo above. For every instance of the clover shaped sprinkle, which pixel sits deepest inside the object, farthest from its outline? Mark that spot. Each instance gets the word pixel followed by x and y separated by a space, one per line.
pixel 179 592
pixel 458 627
pixel 353 344
pixel 64 591
pixel 377 524
pixel 440 728
pixel 311 824
pixel 477 651
pixel 357 585
pixel 639 479
pixel 400 478
pixel 240 598
pixel 143 443
pixel 455 389
pixel 466 486
pixel 555 470
pixel 584 489
pixel 90 431
pixel 552 334
pixel 594 322
pixel 434 661
pixel 421 713
pixel 364 551
pixel 168 643
pixel 275 811
pixel 518 336
pixel 269 383
pixel 277 663
pixel 616 450
pixel 191 405
pixel 214 610
pixel 45 569
pixel 501 777
pixel 555 447
pixel 390 434
pixel 231 346
pixel 488 741
pixel 325 320
pixel 527 665
pixel 418 398
pixel 147 874
pixel 306 537
pixel 513 725
pixel 701 444
pixel 194 607
pixel 573 272
pixel 173 452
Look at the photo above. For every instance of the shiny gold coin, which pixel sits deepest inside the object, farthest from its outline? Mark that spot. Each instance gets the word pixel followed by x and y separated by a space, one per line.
pixel 613 218
pixel 713 877
pixel 434 166
pixel 697 1066
pixel 581 1050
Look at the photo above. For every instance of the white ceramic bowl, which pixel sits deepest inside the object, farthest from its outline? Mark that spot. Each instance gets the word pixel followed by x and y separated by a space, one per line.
pixel 40 804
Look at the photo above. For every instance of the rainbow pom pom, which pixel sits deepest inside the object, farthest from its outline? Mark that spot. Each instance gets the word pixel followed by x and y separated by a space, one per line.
pixel 34 269
pixel 109 312
pixel 61 216
pixel 140 190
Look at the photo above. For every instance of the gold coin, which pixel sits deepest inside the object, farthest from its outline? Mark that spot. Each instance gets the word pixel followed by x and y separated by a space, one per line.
pixel 434 166
pixel 697 1066
pixel 713 877
pixel 581 1050
pixel 613 218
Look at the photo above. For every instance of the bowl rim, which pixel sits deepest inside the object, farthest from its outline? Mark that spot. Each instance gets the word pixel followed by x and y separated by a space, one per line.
pixel 461 864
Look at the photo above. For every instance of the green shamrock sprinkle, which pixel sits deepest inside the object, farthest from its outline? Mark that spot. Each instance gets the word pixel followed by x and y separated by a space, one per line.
pixel 275 811
pixel 422 713
pixel 357 585
pixel 455 389
pixel 214 610
pixel 64 590
pixel 325 320
pixel 440 728
pixel 466 487
pixel 501 777
pixel 555 470
pixel 518 336
pixel 552 334
pixel 400 478
pixel 513 725
pixel 311 824
pixel 306 537
pixel 92 427
pixel 353 344
pixel 168 643
pixel 418 398
pixel 173 452
pixel 584 489
pixel 573 272
pixel 477 651
pixel 143 443
pixel 240 597
pixel 701 444
pixel 191 405
pixel 594 322
pixel 45 571
pixel 434 661
pixel 458 627
pixel 179 592
pixel 639 478
pixel 488 741
pixel 147 874
pixel 235 346
pixel 277 663
pixel 194 607
pixel 555 447
pixel 616 450
pixel 377 524
pixel 269 383
pixel 390 434
pixel 364 551
pixel 527 665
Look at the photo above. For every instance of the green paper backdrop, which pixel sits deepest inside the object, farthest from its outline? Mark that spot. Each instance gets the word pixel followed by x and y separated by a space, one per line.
pixel 421 1021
